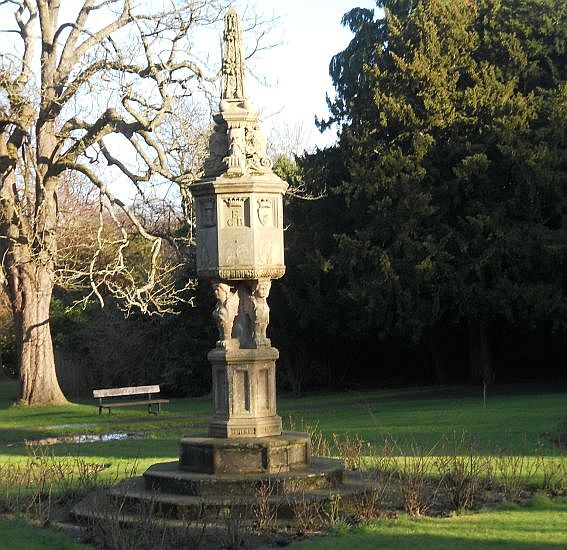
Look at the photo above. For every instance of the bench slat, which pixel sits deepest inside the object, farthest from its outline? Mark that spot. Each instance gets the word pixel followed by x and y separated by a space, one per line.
pixel 132 403
pixel 132 390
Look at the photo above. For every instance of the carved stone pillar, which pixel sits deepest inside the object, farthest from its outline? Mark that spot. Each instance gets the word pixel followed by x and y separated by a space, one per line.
pixel 240 248
pixel 244 393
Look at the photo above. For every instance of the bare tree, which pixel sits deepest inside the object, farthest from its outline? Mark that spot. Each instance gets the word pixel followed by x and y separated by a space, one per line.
pixel 289 140
pixel 87 93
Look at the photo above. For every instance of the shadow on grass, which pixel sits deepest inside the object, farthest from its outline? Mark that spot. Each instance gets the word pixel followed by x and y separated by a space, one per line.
pixel 536 524
pixel 20 535
pixel 426 542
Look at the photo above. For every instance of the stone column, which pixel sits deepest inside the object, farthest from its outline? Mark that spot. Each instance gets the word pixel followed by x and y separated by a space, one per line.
pixel 240 249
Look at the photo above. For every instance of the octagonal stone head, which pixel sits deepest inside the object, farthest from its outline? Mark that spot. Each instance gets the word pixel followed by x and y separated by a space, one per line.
pixel 240 227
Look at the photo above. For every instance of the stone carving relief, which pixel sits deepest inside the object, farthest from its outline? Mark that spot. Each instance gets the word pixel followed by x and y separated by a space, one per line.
pixel 259 298
pixel 208 217
pixel 237 146
pixel 238 253
pixel 225 311
pixel 236 159
pixel 232 60
pixel 265 211
pixel 218 150
pixel 267 253
pixel 235 212
pixel 253 314
pixel 256 158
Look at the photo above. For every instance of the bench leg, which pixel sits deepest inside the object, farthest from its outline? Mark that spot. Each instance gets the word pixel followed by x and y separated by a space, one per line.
pixel 99 411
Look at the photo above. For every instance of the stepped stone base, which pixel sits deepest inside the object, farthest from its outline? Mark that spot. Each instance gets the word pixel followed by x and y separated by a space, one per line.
pixel 220 478
pixel 174 495
pixel 267 455
pixel 168 478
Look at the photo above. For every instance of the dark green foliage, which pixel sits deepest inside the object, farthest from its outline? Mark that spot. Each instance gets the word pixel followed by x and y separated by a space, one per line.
pixel 447 193
pixel 305 325
pixel 185 341
pixel 98 348
pixel 8 353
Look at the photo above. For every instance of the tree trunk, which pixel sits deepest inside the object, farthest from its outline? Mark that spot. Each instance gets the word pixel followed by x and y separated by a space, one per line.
pixel 36 361
pixel 29 267
pixel 480 365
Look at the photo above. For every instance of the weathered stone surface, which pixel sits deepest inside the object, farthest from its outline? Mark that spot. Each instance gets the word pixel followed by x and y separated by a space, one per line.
pixel 268 455
pixel 240 249
pixel 239 227
pixel 285 496
pixel 168 478
pixel 239 214
pixel 237 147
pixel 244 393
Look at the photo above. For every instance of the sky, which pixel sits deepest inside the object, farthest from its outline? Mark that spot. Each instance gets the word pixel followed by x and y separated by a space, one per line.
pixel 309 33
pixel 291 79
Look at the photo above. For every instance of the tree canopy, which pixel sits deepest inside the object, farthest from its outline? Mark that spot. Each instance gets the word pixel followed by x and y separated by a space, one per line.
pixel 86 89
pixel 449 188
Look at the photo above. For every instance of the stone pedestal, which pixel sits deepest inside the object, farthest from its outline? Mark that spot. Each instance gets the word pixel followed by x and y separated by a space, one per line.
pixel 240 250
pixel 267 455
pixel 244 393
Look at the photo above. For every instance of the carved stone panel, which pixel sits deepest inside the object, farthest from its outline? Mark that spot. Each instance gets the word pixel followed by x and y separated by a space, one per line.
pixel 267 211
pixel 248 378
pixel 207 252
pixel 206 211
pixel 264 393
pixel 236 249
pixel 240 228
pixel 235 212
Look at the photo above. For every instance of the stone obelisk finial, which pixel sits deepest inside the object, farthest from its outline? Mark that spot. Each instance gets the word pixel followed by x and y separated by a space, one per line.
pixel 237 146
pixel 233 59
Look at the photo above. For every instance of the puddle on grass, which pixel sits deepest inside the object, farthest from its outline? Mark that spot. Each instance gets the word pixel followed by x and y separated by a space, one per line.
pixel 82 438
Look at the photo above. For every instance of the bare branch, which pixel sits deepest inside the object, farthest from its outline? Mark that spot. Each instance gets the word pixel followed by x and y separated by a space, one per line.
pixel 73 52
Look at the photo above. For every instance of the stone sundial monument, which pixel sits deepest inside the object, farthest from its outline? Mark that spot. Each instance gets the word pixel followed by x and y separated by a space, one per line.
pixel 240 250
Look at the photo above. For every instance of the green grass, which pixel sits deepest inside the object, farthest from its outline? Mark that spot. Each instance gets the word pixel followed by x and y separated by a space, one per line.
pixel 22 536
pixel 514 422
pixel 19 423
pixel 539 524
pixel 519 423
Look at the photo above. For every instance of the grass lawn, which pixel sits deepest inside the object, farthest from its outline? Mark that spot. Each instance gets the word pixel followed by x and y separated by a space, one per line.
pixel 514 422
pixel 17 535
pixel 539 524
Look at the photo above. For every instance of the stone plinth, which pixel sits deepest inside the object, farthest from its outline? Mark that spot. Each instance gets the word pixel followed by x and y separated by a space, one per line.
pixel 269 455
pixel 244 393
pixel 171 493
pixel 168 478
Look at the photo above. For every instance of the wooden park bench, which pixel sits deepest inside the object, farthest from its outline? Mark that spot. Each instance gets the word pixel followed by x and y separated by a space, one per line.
pixel 150 400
